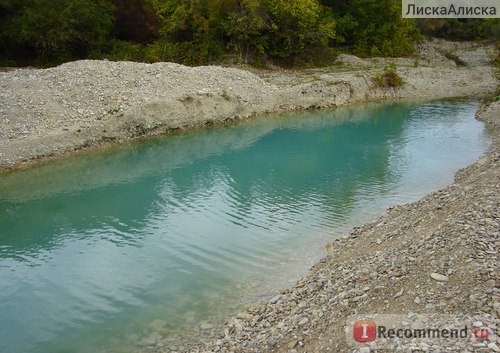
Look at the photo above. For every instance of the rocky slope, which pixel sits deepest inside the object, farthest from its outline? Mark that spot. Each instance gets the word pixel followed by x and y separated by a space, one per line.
pixel 86 103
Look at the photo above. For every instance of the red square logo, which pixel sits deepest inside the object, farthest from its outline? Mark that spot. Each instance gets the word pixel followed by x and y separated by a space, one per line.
pixel 365 331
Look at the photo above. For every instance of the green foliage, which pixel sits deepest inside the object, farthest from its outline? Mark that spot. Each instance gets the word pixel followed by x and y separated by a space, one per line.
pixel 251 29
pixel 297 25
pixel 454 57
pixel 119 50
pixel 193 27
pixel 460 28
pixel 389 78
pixel 57 30
pixel 195 32
pixel 246 31
pixel 375 27
pixel 225 95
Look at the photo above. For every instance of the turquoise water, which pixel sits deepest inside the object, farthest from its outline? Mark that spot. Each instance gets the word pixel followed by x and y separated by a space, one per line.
pixel 186 227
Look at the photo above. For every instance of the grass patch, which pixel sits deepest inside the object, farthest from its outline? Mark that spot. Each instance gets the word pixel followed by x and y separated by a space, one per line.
pixel 389 78
pixel 495 59
pixel 454 57
pixel 225 95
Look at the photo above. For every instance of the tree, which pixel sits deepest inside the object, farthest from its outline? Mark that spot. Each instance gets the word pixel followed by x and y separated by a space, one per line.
pixel 461 28
pixel 192 30
pixel 374 27
pixel 246 30
pixel 58 29
pixel 297 25
pixel 135 21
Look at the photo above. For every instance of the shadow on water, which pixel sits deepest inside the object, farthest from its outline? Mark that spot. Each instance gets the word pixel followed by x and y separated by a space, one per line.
pixel 98 245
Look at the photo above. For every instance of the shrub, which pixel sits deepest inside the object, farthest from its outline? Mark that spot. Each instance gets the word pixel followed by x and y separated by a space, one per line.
pixel 125 51
pixel 56 31
pixel 454 57
pixel 225 95
pixel 389 78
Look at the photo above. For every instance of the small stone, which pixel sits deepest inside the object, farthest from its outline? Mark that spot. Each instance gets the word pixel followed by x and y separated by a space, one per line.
pixel 303 321
pixel 148 341
pixel 478 345
pixel 364 350
pixel 438 277
pixel 244 316
pixel 477 324
pixel 398 294
pixel 358 298
pixel 271 343
pixel 417 300
pixel 493 347
pixel 275 299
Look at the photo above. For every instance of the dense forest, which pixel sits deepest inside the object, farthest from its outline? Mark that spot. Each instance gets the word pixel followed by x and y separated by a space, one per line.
pixel 194 32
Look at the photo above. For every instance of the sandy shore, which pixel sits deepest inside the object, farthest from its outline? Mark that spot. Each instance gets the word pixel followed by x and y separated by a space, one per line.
pixel 87 103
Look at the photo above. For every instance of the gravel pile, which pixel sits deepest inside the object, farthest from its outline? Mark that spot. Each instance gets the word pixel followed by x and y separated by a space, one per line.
pixel 87 103
pixel 82 103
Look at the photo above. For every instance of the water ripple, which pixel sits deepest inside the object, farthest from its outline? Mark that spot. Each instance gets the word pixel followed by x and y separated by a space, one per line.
pixel 99 246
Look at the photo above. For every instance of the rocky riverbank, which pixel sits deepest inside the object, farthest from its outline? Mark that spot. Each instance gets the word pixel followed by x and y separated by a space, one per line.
pixel 87 103
pixel 434 257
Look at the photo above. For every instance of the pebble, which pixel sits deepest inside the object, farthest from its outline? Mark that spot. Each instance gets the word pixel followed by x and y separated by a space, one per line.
pixel 493 347
pixel 439 277
pixel 303 321
pixel 477 324
pixel 275 299
pixel 244 316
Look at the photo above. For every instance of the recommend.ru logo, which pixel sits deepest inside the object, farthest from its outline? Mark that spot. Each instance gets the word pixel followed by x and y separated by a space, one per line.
pixel 416 332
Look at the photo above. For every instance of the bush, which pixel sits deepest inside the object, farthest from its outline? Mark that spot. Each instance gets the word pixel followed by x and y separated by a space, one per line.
pixel 374 27
pixel 390 78
pixel 461 29
pixel 56 30
pixel 454 57
pixel 125 51
pixel 496 59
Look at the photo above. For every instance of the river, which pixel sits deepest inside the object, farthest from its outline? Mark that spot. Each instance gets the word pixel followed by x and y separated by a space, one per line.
pixel 100 248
